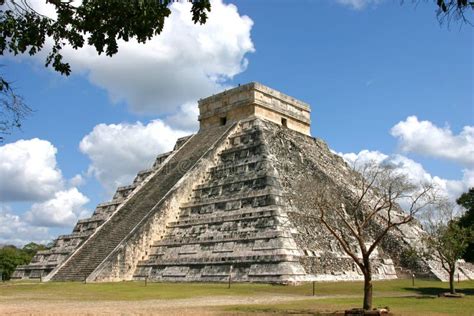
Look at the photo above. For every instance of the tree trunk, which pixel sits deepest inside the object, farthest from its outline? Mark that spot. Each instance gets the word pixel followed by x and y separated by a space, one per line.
pixel 451 282
pixel 367 285
pixel 367 292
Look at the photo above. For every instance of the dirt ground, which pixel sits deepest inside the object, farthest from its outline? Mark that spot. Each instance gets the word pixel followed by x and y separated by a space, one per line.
pixel 191 306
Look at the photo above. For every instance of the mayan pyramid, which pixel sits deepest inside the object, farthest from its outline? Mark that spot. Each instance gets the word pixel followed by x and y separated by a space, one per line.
pixel 223 202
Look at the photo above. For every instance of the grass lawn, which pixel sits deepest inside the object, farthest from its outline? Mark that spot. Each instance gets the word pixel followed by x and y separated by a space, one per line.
pixel 399 295
pixel 398 305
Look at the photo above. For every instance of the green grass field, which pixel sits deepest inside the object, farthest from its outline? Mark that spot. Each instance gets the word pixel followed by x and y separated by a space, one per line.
pixel 398 295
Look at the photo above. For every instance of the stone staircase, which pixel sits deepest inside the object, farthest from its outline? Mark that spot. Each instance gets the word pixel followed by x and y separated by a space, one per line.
pixel 464 271
pixel 96 249
pixel 233 218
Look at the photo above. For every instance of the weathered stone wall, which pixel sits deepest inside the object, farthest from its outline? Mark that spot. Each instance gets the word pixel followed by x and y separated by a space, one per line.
pixel 276 117
pixel 307 169
pixel 254 100
pixel 231 114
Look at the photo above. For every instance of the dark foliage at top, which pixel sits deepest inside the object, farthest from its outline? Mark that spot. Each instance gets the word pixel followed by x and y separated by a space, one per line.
pixel 99 23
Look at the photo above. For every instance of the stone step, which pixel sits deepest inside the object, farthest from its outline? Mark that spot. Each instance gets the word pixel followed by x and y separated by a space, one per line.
pixel 161 158
pixel 221 219
pixel 234 166
pixel 262 193
pixel 244 179
pixel 219 260
pixel 92 219
pixel 220 213
pixel 234 236
pixel 109 203
pixel 236 169
pixel 246 132
pixel 80 235
pixel 237 152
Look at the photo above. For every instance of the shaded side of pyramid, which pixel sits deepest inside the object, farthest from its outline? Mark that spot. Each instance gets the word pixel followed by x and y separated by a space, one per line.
pixel 307 167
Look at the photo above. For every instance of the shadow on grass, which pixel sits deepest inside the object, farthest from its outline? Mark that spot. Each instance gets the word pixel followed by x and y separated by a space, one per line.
pixel 434 291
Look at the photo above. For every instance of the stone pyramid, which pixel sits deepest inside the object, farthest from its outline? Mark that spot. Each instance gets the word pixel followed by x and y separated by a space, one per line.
pixel 223 202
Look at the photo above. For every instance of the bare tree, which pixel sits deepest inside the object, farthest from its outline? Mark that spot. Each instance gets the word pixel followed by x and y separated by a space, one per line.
pixel 12 109
pixel 368 213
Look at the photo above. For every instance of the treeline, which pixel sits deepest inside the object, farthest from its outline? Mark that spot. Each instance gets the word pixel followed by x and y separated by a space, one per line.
pixel 11 257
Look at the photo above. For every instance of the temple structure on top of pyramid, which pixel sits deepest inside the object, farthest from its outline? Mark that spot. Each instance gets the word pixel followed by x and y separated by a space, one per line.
pixel 226 200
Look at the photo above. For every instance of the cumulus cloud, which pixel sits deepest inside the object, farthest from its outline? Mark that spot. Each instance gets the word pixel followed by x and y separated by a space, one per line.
pixel 358 4
pixel 186 118
pixel 425 138
pixel 452 189
pixel 63 210
pixel 77 181
pixel 363 157
pixel 182 64
pixel 14 230
pixel 118 151
pixel 28 171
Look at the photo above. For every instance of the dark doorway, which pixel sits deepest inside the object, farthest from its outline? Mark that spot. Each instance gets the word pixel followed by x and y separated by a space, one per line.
pixel 284 122
pixel 223 121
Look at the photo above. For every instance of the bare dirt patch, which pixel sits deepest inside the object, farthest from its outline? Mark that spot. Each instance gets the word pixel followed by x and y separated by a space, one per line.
pixel 191 306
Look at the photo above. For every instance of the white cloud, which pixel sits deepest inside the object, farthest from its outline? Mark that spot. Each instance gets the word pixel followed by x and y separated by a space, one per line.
pixel 358 4
pixel 423 137
pixel 186 118
pixel 14 230
pixel 363 157
pixel 182 64
pixel 77 181
pixel 118 151
pixel 28 171
pixel 414 171
pixel 63 210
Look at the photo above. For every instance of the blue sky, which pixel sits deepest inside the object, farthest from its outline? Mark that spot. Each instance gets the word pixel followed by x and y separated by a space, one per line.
pixel 385 82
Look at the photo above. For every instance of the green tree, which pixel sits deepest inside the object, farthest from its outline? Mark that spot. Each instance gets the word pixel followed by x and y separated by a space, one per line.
pixel 446 243
pixel 466 200
pixel 11 257
pixel 32 248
